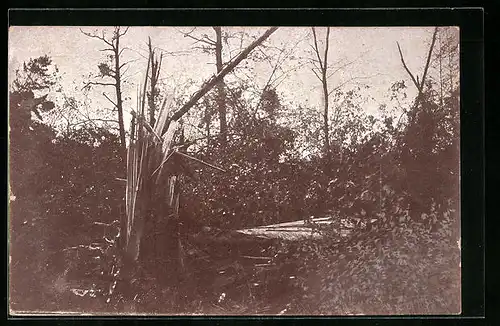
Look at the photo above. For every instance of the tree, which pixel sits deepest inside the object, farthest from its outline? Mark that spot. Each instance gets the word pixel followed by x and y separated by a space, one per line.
pixel 419 84
pixel 112 69
pixel 227 43
pixel 214 80
pixel 445 63
pixel 429 144
pixel 35 77
pixel 215 47
pixel 320 71
pixel 150 179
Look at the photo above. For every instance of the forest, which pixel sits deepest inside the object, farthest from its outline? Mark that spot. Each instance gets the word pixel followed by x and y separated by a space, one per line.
pixel 235 175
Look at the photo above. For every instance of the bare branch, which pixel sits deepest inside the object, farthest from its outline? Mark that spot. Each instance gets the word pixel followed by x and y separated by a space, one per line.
pixel 126 63
pixel 428 59
pixel 106 96
pixel 204 48
pixel 316 74
pixel 199 161
pixel 93 120
pixel 345 65
pixel 316 49
pixel 202 40
pixel 121 34
pixel 123 49
pixel 285 74
pixel 348 81
pixel 173 53
pixel 145 85
pixel 406 68
pixel 159 67
pixel 215 79
pixel 98 83
pixel 102 38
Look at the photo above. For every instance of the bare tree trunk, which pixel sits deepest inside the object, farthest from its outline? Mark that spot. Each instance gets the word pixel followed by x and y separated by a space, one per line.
pixel 221 96
pixel 215 79
pixel 441 81
pixel 113 45
pixel 207 122
pixel 119 100
pixel 418 84
pixel 325 115
pixel 323 69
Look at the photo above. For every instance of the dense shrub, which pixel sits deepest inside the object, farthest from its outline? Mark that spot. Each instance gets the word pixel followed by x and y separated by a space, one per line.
pixel 63 184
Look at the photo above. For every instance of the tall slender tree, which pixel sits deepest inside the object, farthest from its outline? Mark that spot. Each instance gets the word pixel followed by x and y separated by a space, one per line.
pixel 214 80
pixel 221 96
pixel 112 70
pixel 419 83
pixel 216 47
pixel 320 71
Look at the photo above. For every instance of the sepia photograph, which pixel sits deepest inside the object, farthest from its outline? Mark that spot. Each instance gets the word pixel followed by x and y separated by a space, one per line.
pixel 234 170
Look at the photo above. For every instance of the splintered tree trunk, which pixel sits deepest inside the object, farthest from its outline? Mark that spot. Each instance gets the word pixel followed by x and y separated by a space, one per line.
pixel 153 231
pixel 155 74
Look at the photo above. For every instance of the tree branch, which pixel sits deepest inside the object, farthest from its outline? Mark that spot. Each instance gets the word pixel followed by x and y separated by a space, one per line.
pixel 340 68
pixel 325 57
pixel 408 70
pixel 98 83
pixel 121 34
pixel 215 79
pixel 123 49
pixel 316 49
pixel 159 67
pixel 106 96
pixel 102 38
pixel 316 74
pixel 428 59
pixel 93 120
pixel 348 81
pixel 126 63
pixel 209 42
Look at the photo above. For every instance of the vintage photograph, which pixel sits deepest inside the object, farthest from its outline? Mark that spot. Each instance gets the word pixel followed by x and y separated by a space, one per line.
pixel 233 170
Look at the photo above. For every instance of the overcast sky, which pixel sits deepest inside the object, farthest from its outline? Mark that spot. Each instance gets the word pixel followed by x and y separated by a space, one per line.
pixel 375 49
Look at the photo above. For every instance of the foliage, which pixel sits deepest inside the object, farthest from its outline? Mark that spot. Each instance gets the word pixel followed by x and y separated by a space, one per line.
pixel 399 185
pixel 396 180
pixel 256 170
pixel 403 257
pixel 37 74
pixel 36 77
pixel 63 185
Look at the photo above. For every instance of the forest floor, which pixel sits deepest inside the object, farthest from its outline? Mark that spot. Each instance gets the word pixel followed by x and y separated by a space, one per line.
pixel 45 278
pixel 40 279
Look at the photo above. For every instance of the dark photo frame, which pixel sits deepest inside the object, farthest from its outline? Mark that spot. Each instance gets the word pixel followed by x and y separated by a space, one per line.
pixel 471 167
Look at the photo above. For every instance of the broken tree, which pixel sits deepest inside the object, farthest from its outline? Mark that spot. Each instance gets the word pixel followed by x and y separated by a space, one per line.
pixel 151 228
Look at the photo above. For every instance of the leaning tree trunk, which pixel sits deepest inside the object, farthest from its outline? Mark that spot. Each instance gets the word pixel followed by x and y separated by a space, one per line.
pixel 153 193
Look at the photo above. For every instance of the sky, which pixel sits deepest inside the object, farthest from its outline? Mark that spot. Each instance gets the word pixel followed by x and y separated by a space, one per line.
pixel 374 50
